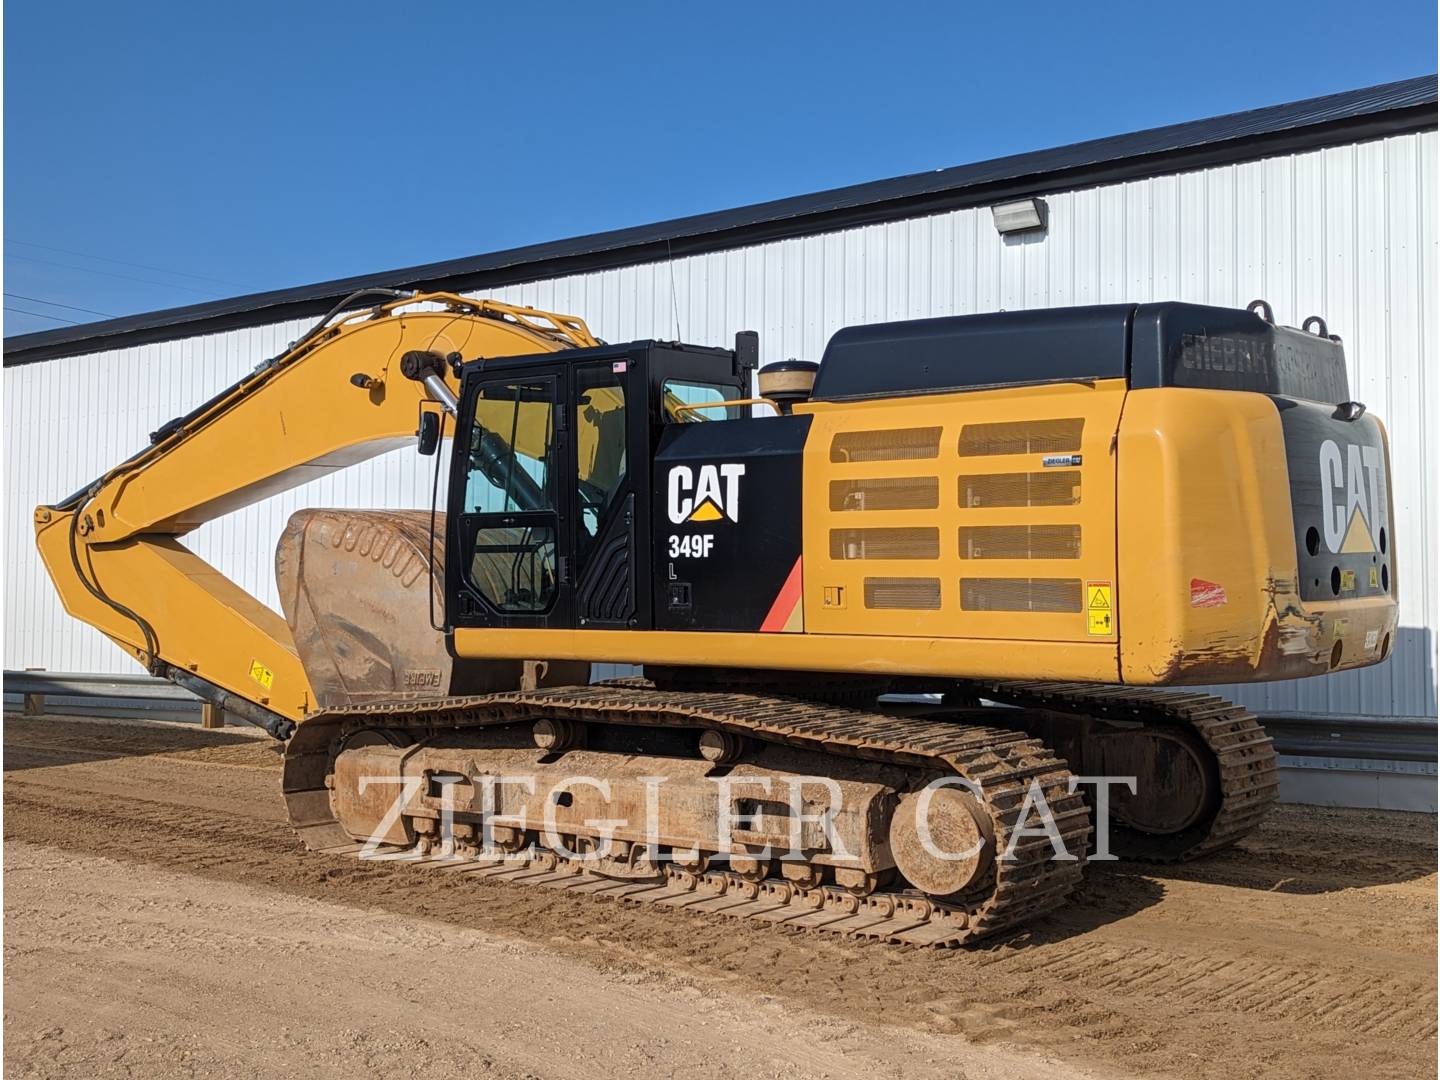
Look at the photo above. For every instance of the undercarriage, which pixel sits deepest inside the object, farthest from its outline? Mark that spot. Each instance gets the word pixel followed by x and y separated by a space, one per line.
pixel 928 825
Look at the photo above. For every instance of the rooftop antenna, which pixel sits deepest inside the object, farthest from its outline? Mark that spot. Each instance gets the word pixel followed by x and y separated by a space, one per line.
pixel 674 301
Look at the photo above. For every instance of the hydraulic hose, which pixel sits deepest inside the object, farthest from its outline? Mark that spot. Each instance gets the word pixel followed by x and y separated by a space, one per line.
pixel 152 644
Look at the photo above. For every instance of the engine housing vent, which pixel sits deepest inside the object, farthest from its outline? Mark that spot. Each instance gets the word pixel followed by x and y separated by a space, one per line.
pixel 1021 437
pixel 895 444
pixel 906 594
pixel 1019 541
pixel 900 543
pixel 1054 487
pixel 886 493
pixel 1062 595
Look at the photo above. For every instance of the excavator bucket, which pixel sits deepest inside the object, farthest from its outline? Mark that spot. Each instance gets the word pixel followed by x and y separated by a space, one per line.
pixel 358 591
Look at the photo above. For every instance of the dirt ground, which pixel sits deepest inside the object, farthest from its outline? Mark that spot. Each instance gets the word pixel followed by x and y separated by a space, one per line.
pixel 161 921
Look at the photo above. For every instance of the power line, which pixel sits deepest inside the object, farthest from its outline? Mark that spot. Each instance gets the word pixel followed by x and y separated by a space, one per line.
pixel 111 273
pixel 41 315
pixel 125 262
pixel 56 303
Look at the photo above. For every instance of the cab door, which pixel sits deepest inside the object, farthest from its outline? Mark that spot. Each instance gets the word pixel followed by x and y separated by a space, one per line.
pixel 509 557
pixel 607 472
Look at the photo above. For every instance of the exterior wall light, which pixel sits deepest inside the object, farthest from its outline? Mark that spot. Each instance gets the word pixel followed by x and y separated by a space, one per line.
pixel 1023 215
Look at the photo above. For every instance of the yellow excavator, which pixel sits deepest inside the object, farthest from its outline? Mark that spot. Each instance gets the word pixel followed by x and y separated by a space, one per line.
pixel 895 632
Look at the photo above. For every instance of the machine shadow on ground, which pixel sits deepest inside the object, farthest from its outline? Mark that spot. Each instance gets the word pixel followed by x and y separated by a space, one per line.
pixel 1103 898
pixel 1265 862
pixel 1363 848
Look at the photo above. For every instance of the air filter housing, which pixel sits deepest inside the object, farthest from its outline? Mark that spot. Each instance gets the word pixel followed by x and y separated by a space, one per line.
pixel 787 381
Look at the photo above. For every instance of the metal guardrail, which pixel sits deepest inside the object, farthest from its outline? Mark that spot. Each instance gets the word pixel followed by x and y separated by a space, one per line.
pixel 99 695
pixel 1372 738
pixel 1360 738
pixel 71 684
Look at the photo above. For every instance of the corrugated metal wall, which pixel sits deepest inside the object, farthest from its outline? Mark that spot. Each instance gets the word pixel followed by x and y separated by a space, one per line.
pixel 1349 233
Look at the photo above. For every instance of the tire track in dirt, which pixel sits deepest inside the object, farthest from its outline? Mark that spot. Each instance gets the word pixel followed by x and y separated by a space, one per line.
pixel 1190 973
pixel 121 970
pixel 1377 1004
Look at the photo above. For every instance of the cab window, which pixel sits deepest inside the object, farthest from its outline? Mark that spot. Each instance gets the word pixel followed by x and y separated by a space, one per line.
pixel 599 447
pixel 679 392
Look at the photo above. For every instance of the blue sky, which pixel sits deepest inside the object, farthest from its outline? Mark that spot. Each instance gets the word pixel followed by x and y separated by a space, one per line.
pixel 161 154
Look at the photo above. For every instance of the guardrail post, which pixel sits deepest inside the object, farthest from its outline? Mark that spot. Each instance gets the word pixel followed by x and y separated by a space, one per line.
pixel 35 703
pixel 211 716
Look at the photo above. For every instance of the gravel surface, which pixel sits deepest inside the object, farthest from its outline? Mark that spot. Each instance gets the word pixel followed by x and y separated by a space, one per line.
pixel 161 920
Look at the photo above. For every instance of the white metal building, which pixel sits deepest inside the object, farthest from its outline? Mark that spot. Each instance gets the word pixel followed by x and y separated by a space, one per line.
pixel 1320 207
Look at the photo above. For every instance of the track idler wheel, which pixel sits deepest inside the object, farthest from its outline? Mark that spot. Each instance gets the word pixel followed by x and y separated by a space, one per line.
pixel 929 829
pixel 1174 786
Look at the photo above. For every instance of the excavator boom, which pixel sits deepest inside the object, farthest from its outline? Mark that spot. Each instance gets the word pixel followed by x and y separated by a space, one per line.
pixel 333 399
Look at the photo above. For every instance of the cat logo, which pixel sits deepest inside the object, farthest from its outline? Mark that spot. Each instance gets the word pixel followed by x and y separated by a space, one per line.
pixel 712 495
pixel 1350 496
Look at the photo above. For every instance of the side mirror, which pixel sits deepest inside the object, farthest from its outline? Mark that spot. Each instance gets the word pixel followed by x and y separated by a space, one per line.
pixel 429 433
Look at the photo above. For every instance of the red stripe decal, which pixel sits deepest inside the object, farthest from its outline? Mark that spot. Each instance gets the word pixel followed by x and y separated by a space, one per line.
pixel 785 602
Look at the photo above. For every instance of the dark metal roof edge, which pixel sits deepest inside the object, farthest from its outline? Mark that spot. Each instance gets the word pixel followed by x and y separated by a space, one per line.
pixel 1374 112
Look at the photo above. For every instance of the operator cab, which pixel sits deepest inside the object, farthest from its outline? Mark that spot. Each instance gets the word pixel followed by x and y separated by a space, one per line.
pixel 552 499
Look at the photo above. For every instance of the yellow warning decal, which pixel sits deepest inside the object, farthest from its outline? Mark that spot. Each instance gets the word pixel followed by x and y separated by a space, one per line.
pixel 1347 580
pixel 262 674
pixel 1099 608
pixel 1374 577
